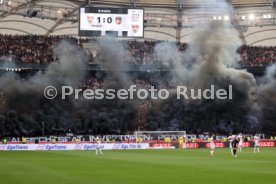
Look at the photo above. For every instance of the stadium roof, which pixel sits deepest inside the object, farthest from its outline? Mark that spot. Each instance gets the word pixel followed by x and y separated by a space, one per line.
pixel 60 17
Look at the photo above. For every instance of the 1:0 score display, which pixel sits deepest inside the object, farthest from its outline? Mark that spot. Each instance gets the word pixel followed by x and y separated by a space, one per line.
pixel 102 19
pixel 118 20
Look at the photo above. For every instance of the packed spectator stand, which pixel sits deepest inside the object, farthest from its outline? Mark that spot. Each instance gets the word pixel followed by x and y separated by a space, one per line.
pixel 257 56
pixel 39 50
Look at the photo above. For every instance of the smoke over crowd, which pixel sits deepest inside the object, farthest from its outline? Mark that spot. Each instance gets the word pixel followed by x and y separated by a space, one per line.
pixel 213 51
pixel 210 59
pixel 25 109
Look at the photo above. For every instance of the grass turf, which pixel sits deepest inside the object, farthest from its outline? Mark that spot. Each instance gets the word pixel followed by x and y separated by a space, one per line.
pixel 137 166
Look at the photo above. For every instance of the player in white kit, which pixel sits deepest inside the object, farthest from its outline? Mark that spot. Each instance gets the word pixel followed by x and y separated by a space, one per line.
pixel 230 139
pixel 256 144
pixel 240 137
pixel 212 147
pixel 98 146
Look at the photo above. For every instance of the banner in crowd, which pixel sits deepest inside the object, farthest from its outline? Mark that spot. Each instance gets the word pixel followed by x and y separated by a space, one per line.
pixel 113 137
pixel 48 147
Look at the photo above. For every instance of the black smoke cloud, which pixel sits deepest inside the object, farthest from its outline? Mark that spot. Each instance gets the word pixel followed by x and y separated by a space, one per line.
pixel 24 108
pixel 213 50
pixel 113 116
pixel 209 60
pixel 266 93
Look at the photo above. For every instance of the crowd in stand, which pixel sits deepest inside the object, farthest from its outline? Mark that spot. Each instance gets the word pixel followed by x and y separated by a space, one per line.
pixel 257 56
pixel 91 83
pixel 98 83
pixel 34 49
pixel 31 49
pixel 142 52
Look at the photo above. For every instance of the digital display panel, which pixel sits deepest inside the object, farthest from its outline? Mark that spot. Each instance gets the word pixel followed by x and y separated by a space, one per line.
pixel 121 22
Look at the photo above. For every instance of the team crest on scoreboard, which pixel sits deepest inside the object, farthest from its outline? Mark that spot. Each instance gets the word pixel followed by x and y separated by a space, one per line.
pixel 118 20
pixel 90 19
pixel 135 28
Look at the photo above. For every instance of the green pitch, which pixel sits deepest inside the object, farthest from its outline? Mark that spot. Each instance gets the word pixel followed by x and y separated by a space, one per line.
pixel 138 166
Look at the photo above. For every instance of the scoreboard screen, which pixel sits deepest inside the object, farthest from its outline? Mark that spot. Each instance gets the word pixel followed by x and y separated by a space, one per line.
pixel 121 22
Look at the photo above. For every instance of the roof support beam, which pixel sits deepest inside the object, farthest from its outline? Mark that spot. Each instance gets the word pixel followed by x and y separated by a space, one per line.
pixel 5 14
pixel 51 30
pixel 237 27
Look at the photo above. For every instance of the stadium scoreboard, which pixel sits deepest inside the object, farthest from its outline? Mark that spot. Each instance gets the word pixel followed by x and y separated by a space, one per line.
pixel 121 22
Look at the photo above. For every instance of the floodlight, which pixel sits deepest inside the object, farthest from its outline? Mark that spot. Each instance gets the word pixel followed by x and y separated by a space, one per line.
pixel 251 16
pixel 226 17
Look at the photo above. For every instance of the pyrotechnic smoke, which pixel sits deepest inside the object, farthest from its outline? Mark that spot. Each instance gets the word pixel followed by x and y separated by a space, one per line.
pixel 116 113
pixel 25 108
pixel 117 61
pixel 209 60
pixel 213 50
pixel 267 100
